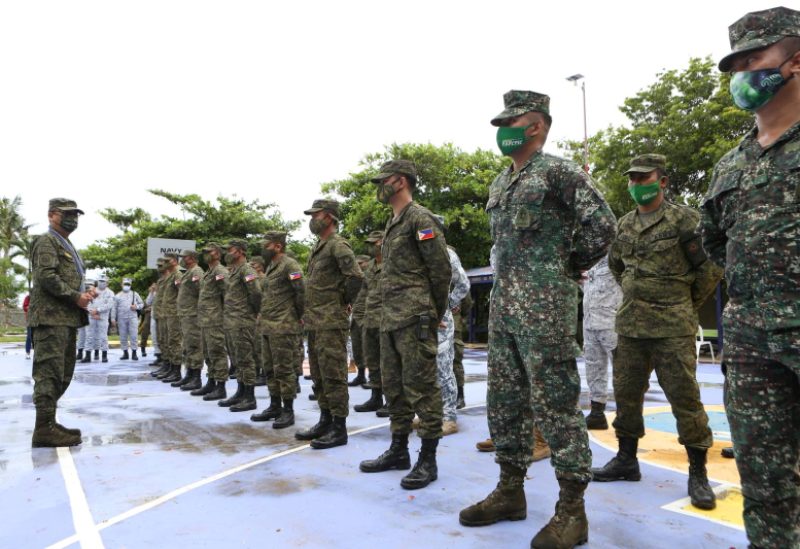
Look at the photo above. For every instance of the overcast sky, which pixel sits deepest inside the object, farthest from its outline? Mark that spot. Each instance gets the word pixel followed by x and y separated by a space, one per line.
pixel 102 100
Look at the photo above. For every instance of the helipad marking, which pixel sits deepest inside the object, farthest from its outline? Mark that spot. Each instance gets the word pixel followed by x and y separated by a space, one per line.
pixel 730 505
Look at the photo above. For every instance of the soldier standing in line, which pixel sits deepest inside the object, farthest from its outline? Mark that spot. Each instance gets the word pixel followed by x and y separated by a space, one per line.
pixel 281 315
pixel 192 347
pixel 751 227
pixel 459 314
pixel 127 307
pixel 659 261
pixel 334 280
pixel 159 324
pixel 57 308
pixel 210 314
pixel 415 284
pixel 371 326
pixel 548 224
pixel 100 314
pixel 145 329
pixel 356 321
pixel 242 305
pixel 258 264
pixel 169 312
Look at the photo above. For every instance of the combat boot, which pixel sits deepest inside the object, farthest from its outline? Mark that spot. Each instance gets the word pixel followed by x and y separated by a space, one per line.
pixel 383 411
pixel 161 370
pixel 237 396
pixel 184 380
pixel 396 457
pixel 359 379
pixel 541 450
pixel 297 385
pixel 124 355
pixel 96 354
pixel 193 383
pixel 425 470
pixel 73 432
pixel 727 452
pixel 47 435
pixel 232 372
pixel 624 466
pixel 218 392
pixel 133 355
pixel 247 402
pixel 105 357
pixel 87 357
pixel 261 377
pixel 505 502
pixel 173 375
pixel 700 492
pixel 569 526
pixel 205 389
pixel 272 412
pixel 597 417
pixel 323 426
pixel 144 351
pixel 336 435
pixel 157 361
pixel 169 371
pixel 485 445
pixel 460 403
pixel 286 419
pixel 79 356
pixel 373 404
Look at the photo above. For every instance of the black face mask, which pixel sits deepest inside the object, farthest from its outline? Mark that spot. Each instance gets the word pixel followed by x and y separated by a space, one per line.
pixel 267 254
pixel 68 223
pixel 317 226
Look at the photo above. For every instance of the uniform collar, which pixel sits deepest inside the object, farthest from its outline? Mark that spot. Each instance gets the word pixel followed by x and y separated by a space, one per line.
pixel 749 144
pixel 396 220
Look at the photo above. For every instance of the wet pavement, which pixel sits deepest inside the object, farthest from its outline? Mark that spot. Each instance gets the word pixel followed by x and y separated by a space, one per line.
pixel 160 468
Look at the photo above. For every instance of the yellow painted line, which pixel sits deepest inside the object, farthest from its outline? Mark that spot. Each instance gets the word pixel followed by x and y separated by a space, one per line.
pixel 730 506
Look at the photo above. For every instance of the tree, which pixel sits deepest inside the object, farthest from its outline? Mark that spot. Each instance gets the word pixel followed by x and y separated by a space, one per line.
pixel 125 255
pixel 452 183
pixel 10 284
pixel 12 224
pixel 689 116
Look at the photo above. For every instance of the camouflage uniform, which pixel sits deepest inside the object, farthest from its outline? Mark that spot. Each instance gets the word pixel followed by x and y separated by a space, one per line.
pixel 548 223
pixel 242 304
pixel 371 330
pixel 334 280
pixel 97 331
pixel 445 352
pixel 158 316
pixel 188 294
pixel 751 226
pixel 458 343
pixel 357 323
pixel 168 299
pixel 210 301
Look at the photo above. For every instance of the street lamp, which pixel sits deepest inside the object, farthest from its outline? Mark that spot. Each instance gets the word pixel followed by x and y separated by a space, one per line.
pixel 574 79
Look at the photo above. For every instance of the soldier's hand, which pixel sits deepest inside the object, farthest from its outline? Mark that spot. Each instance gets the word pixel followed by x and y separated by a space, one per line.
pixel 113 323
pixel 442 324
pixel 133 307
pixel 455 310
pixel 84 299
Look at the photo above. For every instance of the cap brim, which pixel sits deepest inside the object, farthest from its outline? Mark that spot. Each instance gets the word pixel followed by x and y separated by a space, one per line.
pixel 72 210
pixel 762 42
pixel 312 211
pixel 509 113
pixel 381 176
pixel 640 169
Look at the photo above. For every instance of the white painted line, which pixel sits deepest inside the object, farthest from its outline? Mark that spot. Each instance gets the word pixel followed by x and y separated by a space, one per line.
pixel 86 532
pixel 678 507
pixel 208 480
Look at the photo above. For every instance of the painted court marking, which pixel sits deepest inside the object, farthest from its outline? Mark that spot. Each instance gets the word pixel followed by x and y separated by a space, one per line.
pixel 86 532
pixel 728 512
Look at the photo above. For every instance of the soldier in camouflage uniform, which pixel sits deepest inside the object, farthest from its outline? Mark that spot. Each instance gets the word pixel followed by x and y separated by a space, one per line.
pixel 548 224
pixel 57 308
pixel 101 312
pixel 659 261
pixel 415 285
pixel 258 264
pixel 242 305
pixel 188 293
pixel 169 313
pixel 334 280
pixel 371 324
pixel 210 302
pixel 158 323
pixel 356 323
pixel 459 314
pixel 281 313
pixel 751 226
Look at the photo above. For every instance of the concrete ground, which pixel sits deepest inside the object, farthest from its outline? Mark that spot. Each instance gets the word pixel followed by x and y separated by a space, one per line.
pixel 159 468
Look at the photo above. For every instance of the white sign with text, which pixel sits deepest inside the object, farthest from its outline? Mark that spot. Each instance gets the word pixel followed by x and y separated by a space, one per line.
pixel 157 247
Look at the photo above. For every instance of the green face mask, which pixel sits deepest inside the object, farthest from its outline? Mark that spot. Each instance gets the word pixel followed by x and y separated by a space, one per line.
pixel 69 223
pixel 385 192
pixel 644 194
pixel 510 139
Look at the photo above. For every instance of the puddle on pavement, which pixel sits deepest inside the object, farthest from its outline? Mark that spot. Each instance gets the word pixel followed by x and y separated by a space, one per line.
pixel 472 378
pixel 269 486
pixel 104 379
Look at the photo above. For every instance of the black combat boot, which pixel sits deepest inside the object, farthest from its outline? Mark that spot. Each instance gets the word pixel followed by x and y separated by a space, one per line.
pixel 237 396
pixel 623 466
pixel 195 383
pixel 359 379
pixel 597 417
pixel 323 426
pixel 87 357
pixel 261 377
pixel 506 502
pixel 218 392
pixel 308 377
pixel 232 372
pixel 286 419
pixel 157 361
pixel 46 433
pixel 96 354
pixel 569 526
pixel 105 356
pixel 124 355
pixel 425 470
pixel 336 435
pixel 248 400
pixel 174 374
pixel 383 411
pixel 272 412
pixel 169 370
pixel 79 356
pixel 312 396
pixel 373 404
pixel 460 403
pixel 727 452
pixel 700 492
pixel 184 380
pixel 162 370
pixel 297 391
pixel 205 389
pixel 133 355
pixel 144 351
pixel 396 457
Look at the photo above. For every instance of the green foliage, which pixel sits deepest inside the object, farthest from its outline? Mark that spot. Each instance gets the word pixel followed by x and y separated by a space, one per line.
pixel 689 116
pixel 10 284
pixel 452 183
pixel 225 218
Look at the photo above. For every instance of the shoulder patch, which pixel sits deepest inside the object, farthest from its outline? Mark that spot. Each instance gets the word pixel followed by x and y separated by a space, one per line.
pixel 195 278
pixel 425 234
pixel 219 277
pixel 177 281
pixel 250 277
pixel 295 276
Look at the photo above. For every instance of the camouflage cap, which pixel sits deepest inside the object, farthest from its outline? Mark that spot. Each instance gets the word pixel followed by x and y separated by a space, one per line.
pixel 237 243
pixel 188 253
pixel 759 29
pixel 64 205
pixel 211 246
pixel 362 258
pixel 161 261
pixel 278 237
pixel 327 204
pixel 646 163
pixel 257 260
pixel 170 255
pixel 375 236
pixel 402 167
pixel 519 102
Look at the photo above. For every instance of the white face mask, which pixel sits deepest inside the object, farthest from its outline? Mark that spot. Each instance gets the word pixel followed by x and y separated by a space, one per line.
pixel 102 285
pixel 126 288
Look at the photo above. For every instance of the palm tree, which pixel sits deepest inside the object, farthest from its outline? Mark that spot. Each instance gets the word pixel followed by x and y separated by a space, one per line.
pixel 12 224
pixel 23 245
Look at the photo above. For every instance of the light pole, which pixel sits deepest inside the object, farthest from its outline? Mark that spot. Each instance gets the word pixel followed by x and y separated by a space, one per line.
pixel 574 79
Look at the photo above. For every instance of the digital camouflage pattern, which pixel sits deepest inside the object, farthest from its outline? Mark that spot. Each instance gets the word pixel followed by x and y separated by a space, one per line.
pixel 646 163
pixel 188 297
pixel 760 29
pixel 458 342
pixel 173 336
pixel 211 297
pixel 242 305
pixel 416 269
pixel 278 355
pixel 660 264
pixel 370 331
pixel 333 282
pixel 598 351
pixel 327 360
pixel 97 331
pixel 519 102
pixel 459 287
pixel 751 227
pixel 283 304
pixel 189 290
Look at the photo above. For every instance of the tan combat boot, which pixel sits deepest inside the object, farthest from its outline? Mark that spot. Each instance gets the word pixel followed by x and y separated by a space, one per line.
pixel 506 502
pixel 485 445
pixel 569 526
pixel 541 450
pixel 46 433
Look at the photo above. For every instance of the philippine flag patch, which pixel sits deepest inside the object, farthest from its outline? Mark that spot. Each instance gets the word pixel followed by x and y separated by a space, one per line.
pixel 425 234
pixel 219 277
pixel 295 276
pixel 249 278
pixel 195 278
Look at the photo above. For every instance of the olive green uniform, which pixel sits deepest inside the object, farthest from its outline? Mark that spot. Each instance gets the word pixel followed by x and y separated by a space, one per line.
pixel 169 316
pixel 242 304
pixel 210 302
pixel 188 293
pixel 371 329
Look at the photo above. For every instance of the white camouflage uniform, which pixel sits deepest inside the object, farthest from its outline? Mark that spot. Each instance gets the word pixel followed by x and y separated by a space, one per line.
pixel 128 320
pixel 459 287
pixel 97 331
